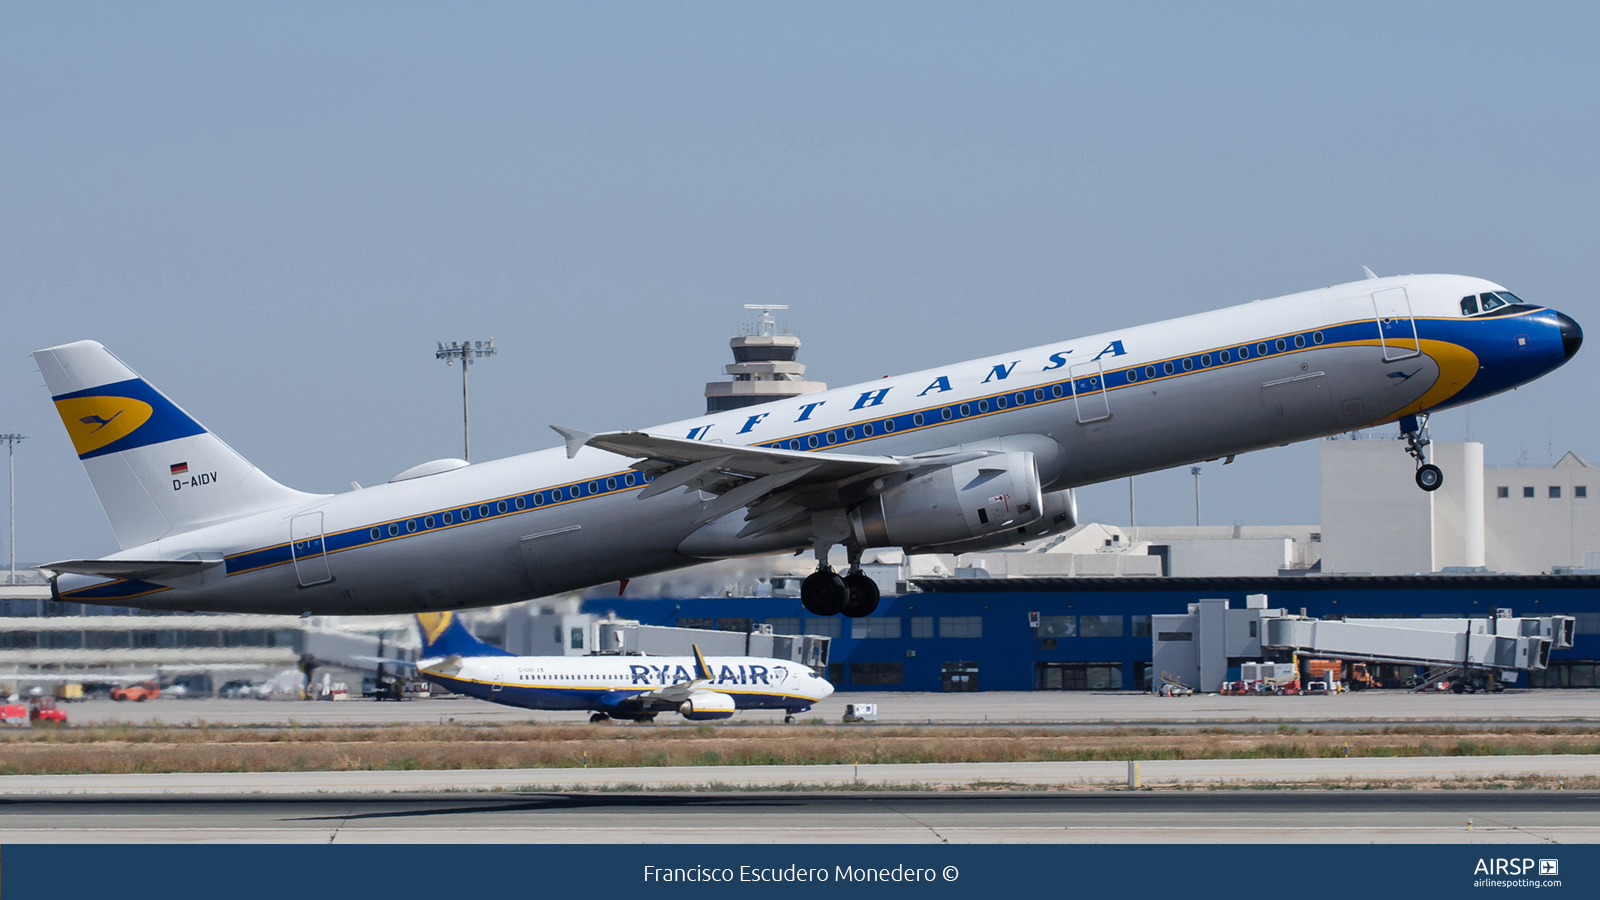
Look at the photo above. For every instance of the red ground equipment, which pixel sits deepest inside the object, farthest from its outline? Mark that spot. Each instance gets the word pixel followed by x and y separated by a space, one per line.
pixel 42 710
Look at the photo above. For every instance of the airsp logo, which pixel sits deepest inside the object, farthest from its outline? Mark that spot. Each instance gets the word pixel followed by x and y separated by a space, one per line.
pixel 1523 866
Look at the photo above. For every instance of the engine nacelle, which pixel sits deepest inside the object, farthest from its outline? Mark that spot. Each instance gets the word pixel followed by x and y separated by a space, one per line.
pixel 972 499
pixel 1060 515
pixel 703 705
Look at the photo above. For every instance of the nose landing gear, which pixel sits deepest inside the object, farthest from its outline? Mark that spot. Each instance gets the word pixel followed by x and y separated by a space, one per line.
pixel 1415 430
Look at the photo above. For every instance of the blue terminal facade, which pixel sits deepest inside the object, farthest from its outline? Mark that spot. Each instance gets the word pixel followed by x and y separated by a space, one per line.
pixel 1094 633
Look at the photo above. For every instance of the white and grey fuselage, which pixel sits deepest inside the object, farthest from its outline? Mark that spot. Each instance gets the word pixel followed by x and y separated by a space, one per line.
pixel 1081 411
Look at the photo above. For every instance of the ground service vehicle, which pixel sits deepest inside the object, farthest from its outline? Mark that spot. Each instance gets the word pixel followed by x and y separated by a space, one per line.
pixel 137 692
pixel 42 710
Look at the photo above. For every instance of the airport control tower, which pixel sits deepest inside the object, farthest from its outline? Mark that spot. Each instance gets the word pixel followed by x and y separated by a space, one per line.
pixel 763 367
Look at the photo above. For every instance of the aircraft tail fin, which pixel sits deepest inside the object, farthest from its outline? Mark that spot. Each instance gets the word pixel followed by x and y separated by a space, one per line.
pixel 443 634
pixel 156 470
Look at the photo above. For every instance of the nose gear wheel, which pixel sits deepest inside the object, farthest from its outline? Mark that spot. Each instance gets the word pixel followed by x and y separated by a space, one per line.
pixel 1415 430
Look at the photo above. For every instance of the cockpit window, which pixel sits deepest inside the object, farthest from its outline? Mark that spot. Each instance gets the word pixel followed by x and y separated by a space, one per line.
pixel 1509 297
pixel 1492 301
pixel 1469 305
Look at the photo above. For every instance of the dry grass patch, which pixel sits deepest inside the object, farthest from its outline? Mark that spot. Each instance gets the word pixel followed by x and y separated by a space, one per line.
pixel 132 749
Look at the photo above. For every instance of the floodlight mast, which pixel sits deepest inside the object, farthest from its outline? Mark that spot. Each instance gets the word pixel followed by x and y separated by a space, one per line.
pixel 467 352
pixel 11 461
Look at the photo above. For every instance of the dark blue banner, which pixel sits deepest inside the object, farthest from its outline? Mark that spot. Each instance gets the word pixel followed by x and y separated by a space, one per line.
pixel 1337 872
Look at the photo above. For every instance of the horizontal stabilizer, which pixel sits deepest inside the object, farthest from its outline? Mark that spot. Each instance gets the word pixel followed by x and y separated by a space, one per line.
pixel 132 569
pixel 386 661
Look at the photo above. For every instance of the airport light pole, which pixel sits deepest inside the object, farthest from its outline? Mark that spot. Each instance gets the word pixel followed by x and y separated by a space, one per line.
pixel 467 352
pixel 11 462
pixel 1195 471
pixel 1133 513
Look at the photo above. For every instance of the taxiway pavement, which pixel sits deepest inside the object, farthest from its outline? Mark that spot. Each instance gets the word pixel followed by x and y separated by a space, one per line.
pixel 1258 772
pixel 1489 817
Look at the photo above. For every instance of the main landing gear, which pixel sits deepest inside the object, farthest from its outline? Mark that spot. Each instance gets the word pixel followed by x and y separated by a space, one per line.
pixel 826 593
pixel 1415 430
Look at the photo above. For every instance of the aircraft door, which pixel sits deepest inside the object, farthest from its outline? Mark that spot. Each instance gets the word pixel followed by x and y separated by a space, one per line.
pixel 557 559
pixel 307 549
pixel 1397 330
pixel 1089 391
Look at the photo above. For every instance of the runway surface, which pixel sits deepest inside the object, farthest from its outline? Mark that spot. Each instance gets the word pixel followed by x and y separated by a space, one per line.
pixel 864 818
pixel 1060 708
pixel 1260 772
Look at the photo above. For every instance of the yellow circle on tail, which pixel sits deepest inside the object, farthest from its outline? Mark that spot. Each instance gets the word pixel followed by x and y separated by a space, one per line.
pixel 94 422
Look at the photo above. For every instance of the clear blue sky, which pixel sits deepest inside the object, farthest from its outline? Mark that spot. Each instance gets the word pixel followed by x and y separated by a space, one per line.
pixel 273 211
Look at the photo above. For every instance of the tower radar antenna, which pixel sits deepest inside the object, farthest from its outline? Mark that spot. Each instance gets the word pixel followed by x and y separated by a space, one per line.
pixel 765 324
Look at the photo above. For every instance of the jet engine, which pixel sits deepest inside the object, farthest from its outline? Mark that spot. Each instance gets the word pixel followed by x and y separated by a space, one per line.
pixel 703 705
pixel 1060 515
pixel 971 499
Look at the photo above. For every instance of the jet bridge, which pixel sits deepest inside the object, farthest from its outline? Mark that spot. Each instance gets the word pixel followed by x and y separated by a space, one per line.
pixel 1501 643
pixel 1198 648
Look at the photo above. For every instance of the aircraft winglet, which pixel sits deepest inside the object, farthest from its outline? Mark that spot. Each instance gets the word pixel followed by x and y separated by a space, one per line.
pixel 1370 275
pixel 575 439
pixel 702 669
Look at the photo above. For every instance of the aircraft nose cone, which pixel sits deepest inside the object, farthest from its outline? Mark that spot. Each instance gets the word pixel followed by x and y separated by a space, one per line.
pixel 1571 334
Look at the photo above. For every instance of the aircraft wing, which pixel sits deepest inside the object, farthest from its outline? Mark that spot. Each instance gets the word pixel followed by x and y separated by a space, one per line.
pixel 744 476
pixel 140 569
pixel 752 461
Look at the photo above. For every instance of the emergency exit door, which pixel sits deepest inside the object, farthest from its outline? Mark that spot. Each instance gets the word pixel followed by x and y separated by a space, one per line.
pixel 1397 330
pixel 306 546
pixel 1089 391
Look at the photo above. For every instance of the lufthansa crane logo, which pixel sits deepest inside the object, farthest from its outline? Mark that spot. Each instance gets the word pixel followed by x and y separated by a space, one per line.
pixel 94 422
pixel 98 422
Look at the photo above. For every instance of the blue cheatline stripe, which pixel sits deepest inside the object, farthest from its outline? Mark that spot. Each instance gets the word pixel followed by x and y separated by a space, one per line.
pixel 114 590
pixel 1340 334
pixel 166 423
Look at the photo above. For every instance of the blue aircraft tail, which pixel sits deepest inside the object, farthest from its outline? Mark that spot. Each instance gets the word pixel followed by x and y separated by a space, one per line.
pixel 444 635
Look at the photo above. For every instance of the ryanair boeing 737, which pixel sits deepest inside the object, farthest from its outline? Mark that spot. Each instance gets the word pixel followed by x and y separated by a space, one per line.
pixel 611 686
pixel 970 456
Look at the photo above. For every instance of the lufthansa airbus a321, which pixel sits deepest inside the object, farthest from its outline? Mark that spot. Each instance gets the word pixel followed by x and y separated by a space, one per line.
pixel 969 456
